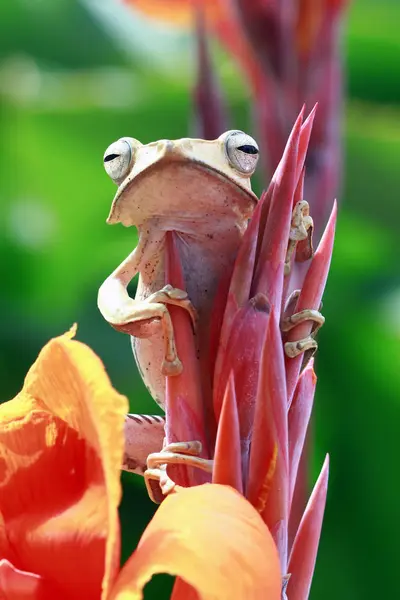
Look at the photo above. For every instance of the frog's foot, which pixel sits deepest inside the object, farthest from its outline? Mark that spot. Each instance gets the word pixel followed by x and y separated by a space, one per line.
pixel 171 295
pixel 150 310
pixel 300 231
pixel 158 484
pixel 178 453
pixel 308 344
pixel 290 303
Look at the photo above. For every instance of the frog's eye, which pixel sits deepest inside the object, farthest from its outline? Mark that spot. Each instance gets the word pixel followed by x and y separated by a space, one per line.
pixel 117 159
pixel 242 151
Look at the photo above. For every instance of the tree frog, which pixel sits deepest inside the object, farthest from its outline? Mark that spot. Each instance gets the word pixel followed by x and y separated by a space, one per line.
pixel 199 189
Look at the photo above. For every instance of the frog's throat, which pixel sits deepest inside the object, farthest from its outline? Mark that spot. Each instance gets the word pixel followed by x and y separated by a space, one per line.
pixel 123 206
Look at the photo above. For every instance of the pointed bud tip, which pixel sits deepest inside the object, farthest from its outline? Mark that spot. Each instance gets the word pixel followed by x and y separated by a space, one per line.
pixel 326 243
pixel 310 118
pixel 309 370
pixel 227 457
pixel 300 116
pixel 321 485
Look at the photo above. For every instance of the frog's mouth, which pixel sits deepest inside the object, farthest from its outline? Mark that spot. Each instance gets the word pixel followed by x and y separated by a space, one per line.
pixel 175 187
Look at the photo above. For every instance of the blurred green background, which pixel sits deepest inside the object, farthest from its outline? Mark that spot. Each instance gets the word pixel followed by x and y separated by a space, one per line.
pixel 75 76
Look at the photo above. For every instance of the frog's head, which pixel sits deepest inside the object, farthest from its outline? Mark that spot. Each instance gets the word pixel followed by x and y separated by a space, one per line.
pixel 186 178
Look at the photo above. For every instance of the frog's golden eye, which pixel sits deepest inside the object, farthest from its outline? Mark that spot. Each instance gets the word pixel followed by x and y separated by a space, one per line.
pixel 118 159
pixel 242 151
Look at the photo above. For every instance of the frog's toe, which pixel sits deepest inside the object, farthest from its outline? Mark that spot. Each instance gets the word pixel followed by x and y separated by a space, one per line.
pixel 173 293
pixel 170 368
pixel 194 315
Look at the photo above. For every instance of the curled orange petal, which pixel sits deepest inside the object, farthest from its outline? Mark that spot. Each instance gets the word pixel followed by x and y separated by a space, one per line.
pixel 61 447
pixel 213 539
pixel 83 396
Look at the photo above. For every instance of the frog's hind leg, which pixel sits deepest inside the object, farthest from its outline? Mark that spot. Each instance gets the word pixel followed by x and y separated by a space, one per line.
pixel 145 455
pixel 177 453
pixel 144 435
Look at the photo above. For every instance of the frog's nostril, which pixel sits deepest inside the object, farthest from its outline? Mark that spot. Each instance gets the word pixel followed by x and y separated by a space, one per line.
pixel 165 146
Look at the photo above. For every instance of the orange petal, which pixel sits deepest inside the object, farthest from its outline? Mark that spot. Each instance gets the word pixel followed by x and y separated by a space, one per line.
pixel 211 537
pixel 61 447
pixel 178 12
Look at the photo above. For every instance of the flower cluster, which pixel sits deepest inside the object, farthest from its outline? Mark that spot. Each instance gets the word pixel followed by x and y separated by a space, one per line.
pixel 61 448
pixel 255 421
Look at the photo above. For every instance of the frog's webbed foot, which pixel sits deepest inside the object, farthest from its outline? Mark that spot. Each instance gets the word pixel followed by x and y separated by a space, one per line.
pixel 300 241
pixel 308 344
pixel 170 295
pixel 140 314
pixel 300 235
pixel 178 453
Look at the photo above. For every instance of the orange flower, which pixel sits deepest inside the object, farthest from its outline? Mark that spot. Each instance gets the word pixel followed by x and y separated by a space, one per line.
pixel 179 12
pixel 61 447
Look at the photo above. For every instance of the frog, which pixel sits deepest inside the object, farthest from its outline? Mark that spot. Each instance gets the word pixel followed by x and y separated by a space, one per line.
pixel 200 190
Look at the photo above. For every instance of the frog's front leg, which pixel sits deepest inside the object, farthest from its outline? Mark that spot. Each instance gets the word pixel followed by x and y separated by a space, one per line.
pixel 122 312
pixel 301 229
pixel 149 309
pixel 300 233
pixel 156 302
